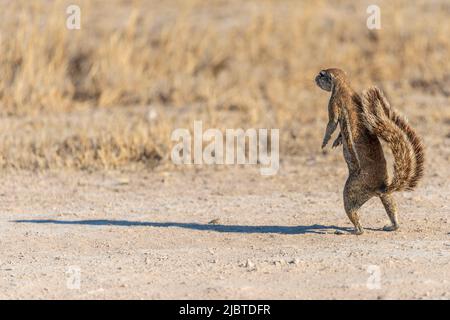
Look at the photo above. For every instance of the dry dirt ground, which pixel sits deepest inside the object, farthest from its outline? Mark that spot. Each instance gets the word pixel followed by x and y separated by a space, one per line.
pixel 149 235
pixel 73 103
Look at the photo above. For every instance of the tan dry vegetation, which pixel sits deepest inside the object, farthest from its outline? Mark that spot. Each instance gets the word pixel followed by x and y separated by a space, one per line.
pixel 108 96
pixel 82 99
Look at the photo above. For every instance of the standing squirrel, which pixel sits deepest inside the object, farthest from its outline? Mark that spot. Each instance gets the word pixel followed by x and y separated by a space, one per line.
pixel 362 120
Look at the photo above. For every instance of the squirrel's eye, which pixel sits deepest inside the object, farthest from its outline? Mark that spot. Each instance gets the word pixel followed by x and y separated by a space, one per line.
pixel 321 73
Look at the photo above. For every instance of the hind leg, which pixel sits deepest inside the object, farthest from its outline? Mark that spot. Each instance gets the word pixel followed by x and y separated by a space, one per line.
pixel 354 218
pixel 391 210
pixel 354 197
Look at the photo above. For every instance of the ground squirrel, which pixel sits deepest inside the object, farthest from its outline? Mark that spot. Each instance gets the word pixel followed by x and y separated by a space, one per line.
pixel 362 120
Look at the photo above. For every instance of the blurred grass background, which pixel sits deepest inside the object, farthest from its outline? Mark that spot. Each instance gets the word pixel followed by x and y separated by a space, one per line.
pixel 109 95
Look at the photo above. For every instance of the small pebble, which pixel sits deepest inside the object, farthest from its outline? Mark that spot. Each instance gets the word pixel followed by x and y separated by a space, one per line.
pixel 250 264
pixel 214 221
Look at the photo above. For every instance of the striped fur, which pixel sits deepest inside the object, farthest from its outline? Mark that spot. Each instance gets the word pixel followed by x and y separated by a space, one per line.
pixel 406 146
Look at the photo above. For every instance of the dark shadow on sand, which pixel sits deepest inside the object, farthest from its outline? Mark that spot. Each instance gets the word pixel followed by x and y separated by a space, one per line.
pixel 315 228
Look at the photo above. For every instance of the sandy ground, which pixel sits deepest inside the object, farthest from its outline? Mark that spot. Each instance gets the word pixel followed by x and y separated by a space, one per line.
pixel 149 235
pixel 205 233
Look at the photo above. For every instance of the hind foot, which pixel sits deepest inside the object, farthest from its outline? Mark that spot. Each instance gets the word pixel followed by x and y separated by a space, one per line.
pixel 391 227
pixel 358 231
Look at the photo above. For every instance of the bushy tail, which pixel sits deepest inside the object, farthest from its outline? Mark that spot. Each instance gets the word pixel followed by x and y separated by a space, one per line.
pixel 405 144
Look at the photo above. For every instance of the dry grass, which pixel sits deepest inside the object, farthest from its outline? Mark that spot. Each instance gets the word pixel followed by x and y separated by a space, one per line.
pixel 64 94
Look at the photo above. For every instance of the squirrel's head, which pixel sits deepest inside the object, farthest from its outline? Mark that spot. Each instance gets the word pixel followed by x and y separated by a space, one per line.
pixel 327 79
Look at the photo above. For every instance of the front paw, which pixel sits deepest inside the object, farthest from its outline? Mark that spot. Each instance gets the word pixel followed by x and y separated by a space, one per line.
pixel 337 142
pixel 325 142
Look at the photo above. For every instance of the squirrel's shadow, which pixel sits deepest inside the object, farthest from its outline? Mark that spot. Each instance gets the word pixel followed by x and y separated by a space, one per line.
pixel 315 228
